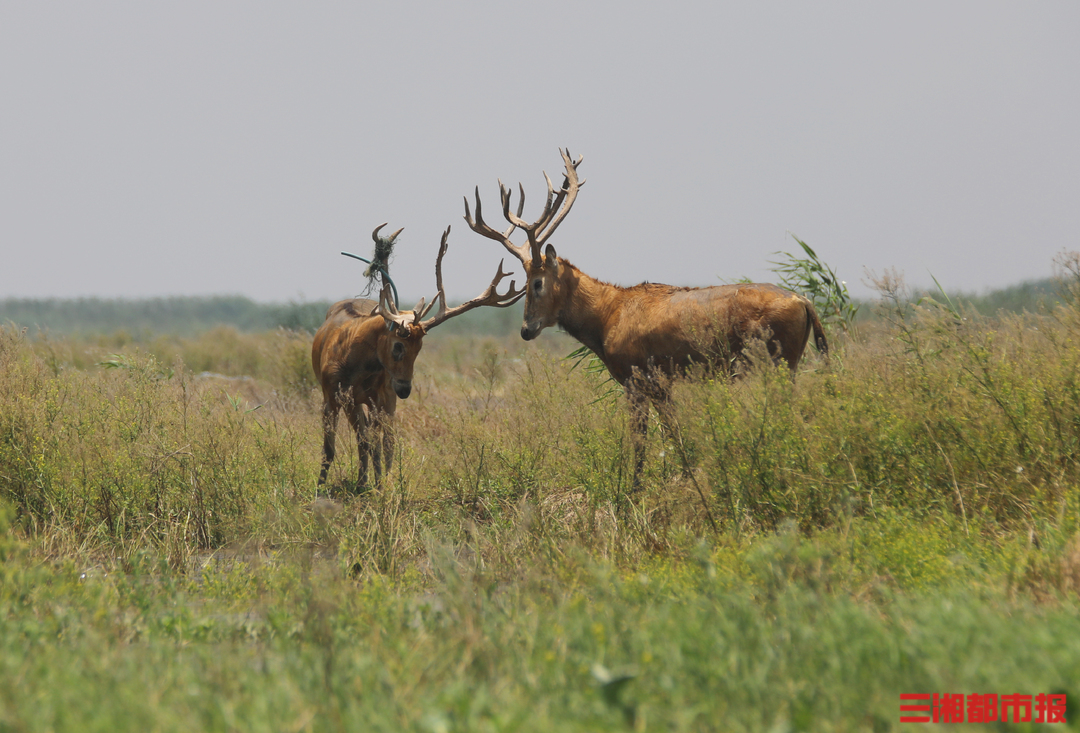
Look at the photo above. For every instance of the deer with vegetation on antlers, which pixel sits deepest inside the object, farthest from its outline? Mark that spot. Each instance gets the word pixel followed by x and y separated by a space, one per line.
pixel 648 333
pixel 363 357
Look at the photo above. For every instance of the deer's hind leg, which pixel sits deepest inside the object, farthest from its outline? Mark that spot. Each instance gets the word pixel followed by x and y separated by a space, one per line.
pixel 329 425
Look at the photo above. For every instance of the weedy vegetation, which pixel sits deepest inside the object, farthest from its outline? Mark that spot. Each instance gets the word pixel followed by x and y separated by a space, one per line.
pixel 903 518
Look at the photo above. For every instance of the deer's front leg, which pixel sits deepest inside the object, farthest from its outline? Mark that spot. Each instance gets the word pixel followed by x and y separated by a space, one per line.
pixel 362 425
pixel 383 422
pixel 639 426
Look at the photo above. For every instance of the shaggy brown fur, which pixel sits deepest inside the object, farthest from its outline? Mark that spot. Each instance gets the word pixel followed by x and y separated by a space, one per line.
pixel 363 367
pixel 363 357
pixel 648 333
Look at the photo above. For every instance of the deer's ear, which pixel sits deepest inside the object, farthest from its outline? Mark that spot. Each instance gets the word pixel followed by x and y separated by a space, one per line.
pixel 551 260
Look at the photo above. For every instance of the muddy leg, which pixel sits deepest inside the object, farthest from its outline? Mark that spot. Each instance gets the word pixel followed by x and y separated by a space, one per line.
pixel 382 420
pixel 362 425
pixel 383 441
pixel 364 449
pixel 388 443
pixel 378 435
pixel 329 421
pixel 639 426
pixel 388 410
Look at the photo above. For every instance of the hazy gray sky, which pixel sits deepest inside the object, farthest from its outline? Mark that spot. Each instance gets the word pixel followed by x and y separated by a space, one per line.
pixel 236 147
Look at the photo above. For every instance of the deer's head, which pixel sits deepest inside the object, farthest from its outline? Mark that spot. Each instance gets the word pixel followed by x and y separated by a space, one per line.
pixel 405 330
pixel 543 285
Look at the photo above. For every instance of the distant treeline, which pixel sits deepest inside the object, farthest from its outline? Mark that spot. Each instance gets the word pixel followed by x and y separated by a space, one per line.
pixel 1033 296
pixel 188 316
pixel 1028 296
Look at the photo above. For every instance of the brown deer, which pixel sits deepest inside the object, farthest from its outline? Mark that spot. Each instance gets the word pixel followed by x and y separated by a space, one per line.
pixel 363 357
pixel 648 333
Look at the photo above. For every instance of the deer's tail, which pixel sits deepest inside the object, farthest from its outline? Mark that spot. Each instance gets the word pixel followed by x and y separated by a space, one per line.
pixel 820 342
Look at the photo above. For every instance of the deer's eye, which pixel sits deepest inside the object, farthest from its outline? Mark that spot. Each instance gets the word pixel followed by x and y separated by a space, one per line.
pixel 538 285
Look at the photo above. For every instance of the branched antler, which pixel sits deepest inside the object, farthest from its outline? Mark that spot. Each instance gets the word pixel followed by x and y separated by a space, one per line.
pixel 391 238
pixel 490 296
pixel 387 308
pixel 555 210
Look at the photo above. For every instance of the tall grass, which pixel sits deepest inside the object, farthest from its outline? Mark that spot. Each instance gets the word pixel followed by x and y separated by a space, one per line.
pixel 902 518
pixel 200 441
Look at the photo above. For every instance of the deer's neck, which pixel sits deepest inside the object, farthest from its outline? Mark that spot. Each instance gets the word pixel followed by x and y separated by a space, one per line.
pixel 588 307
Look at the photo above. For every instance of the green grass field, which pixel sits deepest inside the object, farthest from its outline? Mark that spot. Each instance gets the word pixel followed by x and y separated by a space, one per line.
pixel 903 519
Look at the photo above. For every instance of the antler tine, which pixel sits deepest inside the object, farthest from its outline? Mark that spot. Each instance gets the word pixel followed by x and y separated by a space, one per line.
pixel 552 205
pixel 388 308
pixel 517 222
pixel 547 206
pixel 555 210
pixel 386 303
pixel 443 246
pixel 481 227
pixel 504 193
pixel 567 194
pixel 490 297
pixel 375 234
pixel 441 294
pixel 419 311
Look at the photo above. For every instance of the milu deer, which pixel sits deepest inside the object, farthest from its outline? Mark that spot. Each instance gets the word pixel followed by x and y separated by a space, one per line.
pixel 363 357
pixel 648 333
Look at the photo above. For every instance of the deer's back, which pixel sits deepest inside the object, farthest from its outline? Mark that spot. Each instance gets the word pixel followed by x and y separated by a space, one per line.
pixel 665 327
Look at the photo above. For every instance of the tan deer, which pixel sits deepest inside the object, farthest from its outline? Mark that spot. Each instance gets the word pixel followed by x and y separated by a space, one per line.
pixel 363 356
pixel 648 333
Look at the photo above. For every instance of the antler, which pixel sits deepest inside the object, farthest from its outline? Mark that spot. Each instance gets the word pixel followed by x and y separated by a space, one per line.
pixel 490 296
pixel 555 210
pixel 375 234
pixel 387 308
